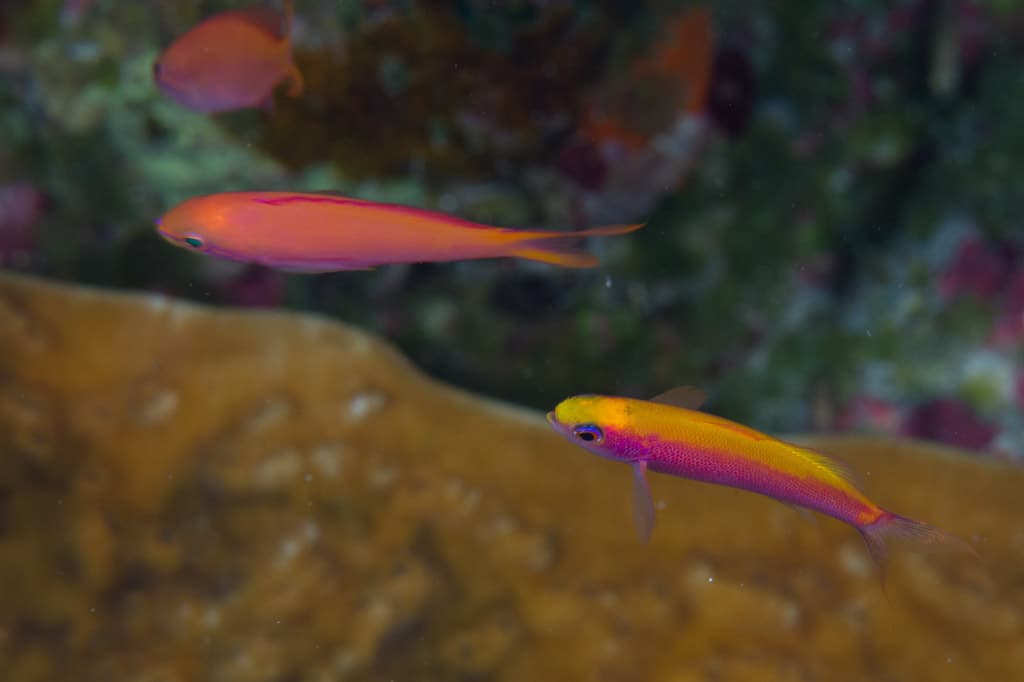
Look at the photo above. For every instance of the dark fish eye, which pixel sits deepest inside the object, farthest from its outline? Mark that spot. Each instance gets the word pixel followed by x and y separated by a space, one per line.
pixel 157 68
pixel 589 433
pixel 194 242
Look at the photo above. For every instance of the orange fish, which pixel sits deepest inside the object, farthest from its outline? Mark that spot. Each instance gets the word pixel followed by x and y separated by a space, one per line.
pixel 670 79
pixel 320 232
pixel 232 60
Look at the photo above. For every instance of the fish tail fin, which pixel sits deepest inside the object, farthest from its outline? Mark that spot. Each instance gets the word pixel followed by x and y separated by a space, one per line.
pixel 565 248
pixel 295 80
pixel 694 31
pixel 915 534
pixel 289 14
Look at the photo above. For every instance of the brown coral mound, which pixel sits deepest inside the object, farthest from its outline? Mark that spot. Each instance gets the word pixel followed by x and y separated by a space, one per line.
pixel 191 494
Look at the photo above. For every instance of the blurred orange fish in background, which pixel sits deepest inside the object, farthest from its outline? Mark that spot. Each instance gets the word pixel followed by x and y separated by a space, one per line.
pixel 232 60
pixel 668 81
pixel 642 130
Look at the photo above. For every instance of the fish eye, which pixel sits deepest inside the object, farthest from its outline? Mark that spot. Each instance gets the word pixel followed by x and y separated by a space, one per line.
pixel 195 241
pixel 157 68
pixel 590 433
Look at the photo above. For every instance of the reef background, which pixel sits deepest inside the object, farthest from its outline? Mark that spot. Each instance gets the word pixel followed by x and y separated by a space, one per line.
pixel 842 250
pixel 833 244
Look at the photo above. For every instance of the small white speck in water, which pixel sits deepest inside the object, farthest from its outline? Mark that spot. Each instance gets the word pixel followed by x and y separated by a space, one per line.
pixel 308 477
pixel 607 281
pixel 949 659
pixel 868 332
pixel 711 579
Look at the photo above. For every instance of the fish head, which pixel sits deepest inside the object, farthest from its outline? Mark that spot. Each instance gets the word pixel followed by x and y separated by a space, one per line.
pixel 179 73
pixel 600 424
pixel 204 225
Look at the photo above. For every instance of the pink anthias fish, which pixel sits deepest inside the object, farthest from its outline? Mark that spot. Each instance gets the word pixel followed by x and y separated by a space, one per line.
pixel 321 232
pixel 232 60
pixel 669 435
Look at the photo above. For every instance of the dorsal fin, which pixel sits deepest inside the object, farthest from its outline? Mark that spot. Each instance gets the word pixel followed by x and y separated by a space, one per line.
pixel 273 21
pixel 836 466
pixel 689 397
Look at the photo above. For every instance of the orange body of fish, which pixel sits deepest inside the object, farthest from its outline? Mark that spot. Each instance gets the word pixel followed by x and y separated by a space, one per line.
pixel 318 232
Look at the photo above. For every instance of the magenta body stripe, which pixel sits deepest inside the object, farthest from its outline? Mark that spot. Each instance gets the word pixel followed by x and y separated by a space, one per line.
pixel 723 468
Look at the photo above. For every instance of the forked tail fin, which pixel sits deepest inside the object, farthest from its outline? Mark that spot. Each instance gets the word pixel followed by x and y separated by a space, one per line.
pixel 295 80
pixel 565 248
pixel 288 6
pixel 917 535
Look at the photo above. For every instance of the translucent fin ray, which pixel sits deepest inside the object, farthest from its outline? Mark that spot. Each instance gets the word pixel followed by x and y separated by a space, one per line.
pixel 689 397
pixel 643 504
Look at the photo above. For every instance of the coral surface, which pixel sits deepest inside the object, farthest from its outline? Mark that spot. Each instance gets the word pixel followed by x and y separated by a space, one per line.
pixel 187 493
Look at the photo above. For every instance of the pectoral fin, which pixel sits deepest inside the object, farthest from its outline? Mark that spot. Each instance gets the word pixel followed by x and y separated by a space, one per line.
pixel 802 511
pixel 643 505
pixel 295 82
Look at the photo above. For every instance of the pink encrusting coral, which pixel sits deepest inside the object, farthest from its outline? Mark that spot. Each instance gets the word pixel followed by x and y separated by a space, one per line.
pixel 871 413
pixel 255 287
pixel 952 422
pixel 978 268
pixel 21 206
pixel 1009 326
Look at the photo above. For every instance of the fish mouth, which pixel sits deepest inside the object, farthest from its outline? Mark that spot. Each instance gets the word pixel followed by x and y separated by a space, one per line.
pixel 170 238
pixel 180 95
pixel 555 424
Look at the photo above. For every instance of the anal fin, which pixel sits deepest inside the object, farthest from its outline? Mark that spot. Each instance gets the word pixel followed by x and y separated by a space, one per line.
pixel 802 511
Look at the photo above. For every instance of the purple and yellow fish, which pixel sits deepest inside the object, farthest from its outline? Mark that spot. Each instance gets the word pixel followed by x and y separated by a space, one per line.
pixel 668 435
pixel 232 60
pixel 320 232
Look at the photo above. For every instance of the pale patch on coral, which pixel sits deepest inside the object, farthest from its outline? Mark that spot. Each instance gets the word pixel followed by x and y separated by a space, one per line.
pixel 362 405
